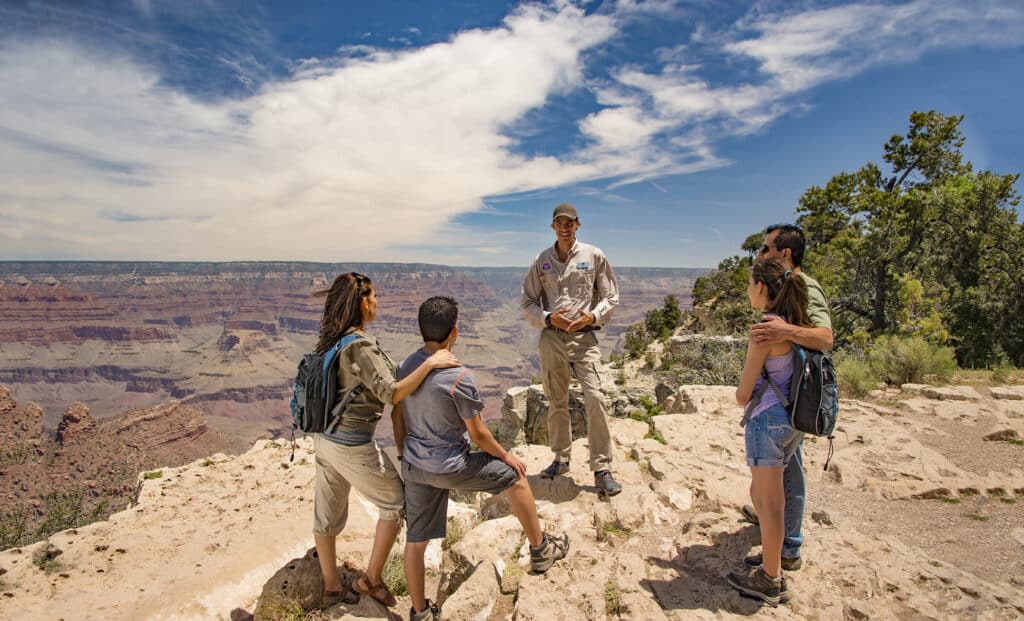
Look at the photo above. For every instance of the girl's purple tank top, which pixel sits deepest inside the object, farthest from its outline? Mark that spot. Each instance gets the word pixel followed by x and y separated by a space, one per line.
pixel 780 369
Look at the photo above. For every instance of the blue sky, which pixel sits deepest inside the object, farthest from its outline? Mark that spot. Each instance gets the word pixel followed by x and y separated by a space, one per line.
pixel 445 132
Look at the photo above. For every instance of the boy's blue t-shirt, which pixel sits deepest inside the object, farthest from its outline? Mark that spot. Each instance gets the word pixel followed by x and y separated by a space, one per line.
pixel 436 440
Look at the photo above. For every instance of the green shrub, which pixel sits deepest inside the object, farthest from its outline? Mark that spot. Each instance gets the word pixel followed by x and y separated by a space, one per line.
pixel 612 599
pixel 155 474
pixel 636 340
pixel 280 607
pixel 651 409
pixel 15 456
pixel 13 528
pixel 1005 374
pixel 856 378
pixel 393 575
pixel 707 360
pixel 902 360
pixel 45 558
pixel 63 510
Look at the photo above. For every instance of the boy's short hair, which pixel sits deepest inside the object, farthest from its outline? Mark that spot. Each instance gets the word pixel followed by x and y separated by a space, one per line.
pixel 437 318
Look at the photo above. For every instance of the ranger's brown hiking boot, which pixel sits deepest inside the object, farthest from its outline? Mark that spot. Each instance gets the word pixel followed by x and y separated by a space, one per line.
pixel 606 484
pixel 556 468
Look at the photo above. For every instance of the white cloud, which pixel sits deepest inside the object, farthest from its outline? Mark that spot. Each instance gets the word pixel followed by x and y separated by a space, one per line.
pixel 802 50
pixel 371 154
pixel 793 53
pixel 348 160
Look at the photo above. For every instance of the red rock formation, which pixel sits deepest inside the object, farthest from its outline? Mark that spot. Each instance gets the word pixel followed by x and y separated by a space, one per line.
pixel 92 465
pixel 76 420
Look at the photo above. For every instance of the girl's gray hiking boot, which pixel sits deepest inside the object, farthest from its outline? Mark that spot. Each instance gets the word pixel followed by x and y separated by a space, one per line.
pixel 755 583
pixel 553 548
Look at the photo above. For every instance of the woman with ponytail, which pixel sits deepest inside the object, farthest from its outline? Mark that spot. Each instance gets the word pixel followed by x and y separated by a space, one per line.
pixel 770 438
pixel 346 454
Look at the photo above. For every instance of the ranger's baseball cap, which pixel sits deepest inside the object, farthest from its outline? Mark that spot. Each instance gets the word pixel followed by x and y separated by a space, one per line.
pixel 567 210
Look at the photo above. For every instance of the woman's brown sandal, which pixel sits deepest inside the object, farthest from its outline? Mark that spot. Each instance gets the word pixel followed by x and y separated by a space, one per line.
pixel 345 596
pixel 379 592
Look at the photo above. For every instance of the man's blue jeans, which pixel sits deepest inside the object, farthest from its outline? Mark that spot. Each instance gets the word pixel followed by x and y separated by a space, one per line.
pixel 795 488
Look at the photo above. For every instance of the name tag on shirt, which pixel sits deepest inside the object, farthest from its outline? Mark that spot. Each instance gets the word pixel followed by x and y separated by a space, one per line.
pixel 583 265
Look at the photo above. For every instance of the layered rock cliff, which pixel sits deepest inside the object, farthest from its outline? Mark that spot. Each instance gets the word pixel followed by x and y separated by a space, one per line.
pixel 226 336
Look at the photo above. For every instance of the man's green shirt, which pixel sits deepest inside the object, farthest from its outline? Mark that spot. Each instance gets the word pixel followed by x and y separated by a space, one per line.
pixel 817 305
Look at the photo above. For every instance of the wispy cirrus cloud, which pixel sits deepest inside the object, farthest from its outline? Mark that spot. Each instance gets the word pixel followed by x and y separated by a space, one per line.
pixel 793 52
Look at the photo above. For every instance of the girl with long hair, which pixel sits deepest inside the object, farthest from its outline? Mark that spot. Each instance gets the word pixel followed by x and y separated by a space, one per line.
pixel 346 454
pixel 771 439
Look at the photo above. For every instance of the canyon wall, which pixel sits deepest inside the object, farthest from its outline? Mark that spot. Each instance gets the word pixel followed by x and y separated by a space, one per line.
pixel 225 337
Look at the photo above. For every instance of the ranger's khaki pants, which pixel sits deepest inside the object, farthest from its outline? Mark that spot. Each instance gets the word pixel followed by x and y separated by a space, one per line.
pixel 560 352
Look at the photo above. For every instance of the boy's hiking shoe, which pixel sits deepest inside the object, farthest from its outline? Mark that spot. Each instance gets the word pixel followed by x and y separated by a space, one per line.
pixel 556 468
pixel 750 515
pixel 605 484
pixel 755 583
pixel 789 563
pixel 430 613
pixel 553 548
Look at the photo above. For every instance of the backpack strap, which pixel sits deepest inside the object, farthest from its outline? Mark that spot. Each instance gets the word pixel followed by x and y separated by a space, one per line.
pixel 756 397
pixel 338 409
pixel 342 405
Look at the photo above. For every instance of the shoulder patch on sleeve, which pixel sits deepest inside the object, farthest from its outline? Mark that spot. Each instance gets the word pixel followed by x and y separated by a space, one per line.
pixel 458 379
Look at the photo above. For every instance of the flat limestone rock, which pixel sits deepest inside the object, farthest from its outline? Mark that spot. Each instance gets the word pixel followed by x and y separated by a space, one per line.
pixel 914 389
pixel 951 393
pixel 627 432
pixel 1008 393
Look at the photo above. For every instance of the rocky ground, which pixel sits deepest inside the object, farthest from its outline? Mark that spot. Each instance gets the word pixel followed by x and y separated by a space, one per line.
pixel 920 516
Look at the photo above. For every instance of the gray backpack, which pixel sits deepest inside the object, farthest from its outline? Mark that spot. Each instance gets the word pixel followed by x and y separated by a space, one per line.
pixel 813 405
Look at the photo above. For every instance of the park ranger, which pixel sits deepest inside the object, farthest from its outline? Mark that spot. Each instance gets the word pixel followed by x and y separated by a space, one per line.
pixel 570 292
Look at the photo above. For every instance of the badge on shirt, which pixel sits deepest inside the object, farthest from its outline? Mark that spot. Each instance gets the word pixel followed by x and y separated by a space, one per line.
pixel 546 267
pixel 583 265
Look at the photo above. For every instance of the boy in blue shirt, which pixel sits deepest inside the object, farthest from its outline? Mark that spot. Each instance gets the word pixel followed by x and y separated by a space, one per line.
pixel 436 456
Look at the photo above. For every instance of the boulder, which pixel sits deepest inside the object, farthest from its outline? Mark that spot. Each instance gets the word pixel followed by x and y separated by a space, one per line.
pixel 663 391
pixel 475 597
pixel 627 433
pixel 674 495
pixel 536 425
pixel 298 583
pixel 498 538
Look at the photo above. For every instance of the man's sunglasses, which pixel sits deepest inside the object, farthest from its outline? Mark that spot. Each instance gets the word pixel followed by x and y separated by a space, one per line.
pixel 765 248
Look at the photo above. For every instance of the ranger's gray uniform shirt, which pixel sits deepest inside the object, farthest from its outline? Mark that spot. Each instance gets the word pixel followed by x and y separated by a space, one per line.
pixel 585 283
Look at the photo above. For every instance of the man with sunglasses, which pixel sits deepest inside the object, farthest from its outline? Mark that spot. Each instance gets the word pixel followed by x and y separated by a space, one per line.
pixel 569 292
pixel 786 243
